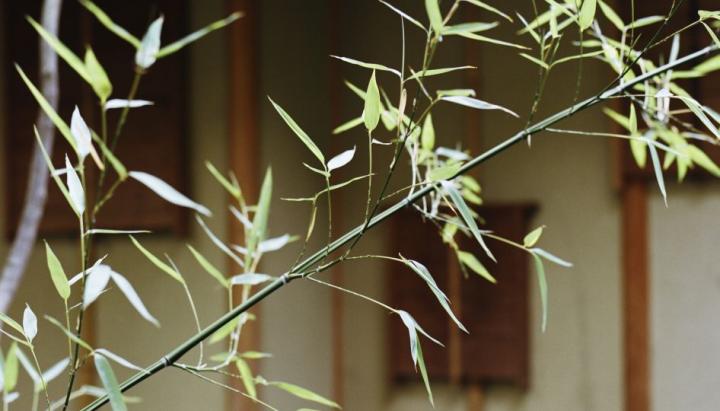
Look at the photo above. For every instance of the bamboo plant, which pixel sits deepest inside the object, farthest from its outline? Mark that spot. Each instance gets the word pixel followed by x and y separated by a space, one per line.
pixel 658 119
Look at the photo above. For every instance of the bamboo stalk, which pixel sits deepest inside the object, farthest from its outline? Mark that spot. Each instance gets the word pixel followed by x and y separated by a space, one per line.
pixel 301 270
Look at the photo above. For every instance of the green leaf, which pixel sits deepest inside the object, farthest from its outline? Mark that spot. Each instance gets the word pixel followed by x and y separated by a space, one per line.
pixel 98 77
pixel 247 377
pixel 157 262
pixel 116 164
pixel 79 341
pixel 260 219
pixel 416 349
pixel 587 14
pixel 610 14
pixel 47 108
pixel 229 187
pixel 303 393
pixel 485 39
pixel 57 274
pixel 12 323
pixel 439 71
pixel 106 21
pixel 224 331
pixel 177 45
pixel 542 286
pixel 208 267
pixel 146 54
pixel 371 112
pixel 109 381
pixel 444 172
pixel 427 138
pixel 475 27
pixel 371 66
pixel 348 125
pixel 404 15
pixel 700 158
pixel 51 168
pixel 644 21
pixel 474 264
pixel 637 145
pixel 467 216
pixel 11 368
pixel 532 237
pixel 490 8
pixel 477 104
pixel 536 61
pixel 299 132
pixel 65 53
pixel 432 7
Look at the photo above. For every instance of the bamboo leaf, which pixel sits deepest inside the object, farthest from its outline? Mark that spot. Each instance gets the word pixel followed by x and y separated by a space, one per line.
pixel 118 359
pixel 167 192
pixel 700 158
pixel 542 286
pixel 489 8
pixel 477 104
pixel 404 15
pixel 371 66
pixel 475 265
pixel 485 39
pixel 246 377
pixel 47 109
pixel 427 138
pixel 132 297
pixel 587 14
pixel 444 172
pixel 432 7
pixel 55 370
pixel 276 243
pixel 157 262
pixel 109 381
pixel 303 393
pixel 95 283
pixel 299 132
pixel 30 327
pixel 552 258
pixel 57 273
pixel 341 159
pixel 98 77
pixel 65 53
pixel 250 279
pixel 371 112
pixel 655 159
pixel 106 21
pixel 611 15
pixel 146 54
pixel 532 238
pixel 208 267
pixel 644 21
pixel 69 333
pixel 12 323
pixel 416 350
pixel 81 133
pixel 225 330
pixel 439 71
pixel 348 125
pixel 190 38
pixel 229 187
pixel 123 103
pixel 75 189
pixel 10 369
pixel 467 216
pixel 260 219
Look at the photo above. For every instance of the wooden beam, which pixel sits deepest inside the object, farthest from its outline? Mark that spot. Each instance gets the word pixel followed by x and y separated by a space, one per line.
pixel 244 147
pixel 636 296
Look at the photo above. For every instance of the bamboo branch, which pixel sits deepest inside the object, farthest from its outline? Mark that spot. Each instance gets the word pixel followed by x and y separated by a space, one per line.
pixel 304 268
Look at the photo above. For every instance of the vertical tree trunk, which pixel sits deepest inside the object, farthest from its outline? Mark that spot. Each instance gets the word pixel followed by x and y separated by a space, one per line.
pixel 36 192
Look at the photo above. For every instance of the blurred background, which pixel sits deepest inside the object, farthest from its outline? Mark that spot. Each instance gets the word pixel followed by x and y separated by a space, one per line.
pixel 632 326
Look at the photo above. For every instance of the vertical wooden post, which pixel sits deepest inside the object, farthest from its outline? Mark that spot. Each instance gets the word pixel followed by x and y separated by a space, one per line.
pixel 243 144
pixel 636 292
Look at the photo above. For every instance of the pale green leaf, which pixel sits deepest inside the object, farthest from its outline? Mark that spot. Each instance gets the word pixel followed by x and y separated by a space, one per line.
pixel 610 14
pixel 11 368
pixel 109 381
pixel 106 21
pixel 477 104
pixel 474 264
pixel 71 335
pixel 475 27
pixel 485 39
pixel 427 138
pixel 146 54
pixel 348 125
pixel 303 393
pixel 700 158
pixel 542 286
pixel 299 132
pixel 98 77
pixel 587 14
pixel 260 219
pixel 371 111
pixel 65 53
pixel 404 15
pixel 432 7
pixel 489 8
pixel 167 192
pixel 439 71
pixel 246 377
pixel 157 262
pixel 466 216
pixel 532 237
pixel 208 267
pixel 371 66
pixel 231 188
pixel 444 172
pixel 57 273
pixel 177 45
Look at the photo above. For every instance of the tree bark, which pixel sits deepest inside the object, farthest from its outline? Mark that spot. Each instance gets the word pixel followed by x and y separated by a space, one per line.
pixel 37 188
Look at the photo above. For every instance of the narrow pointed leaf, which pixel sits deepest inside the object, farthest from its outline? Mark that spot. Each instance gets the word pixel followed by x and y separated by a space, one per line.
pixel 477 104
pixel 260 220
pixel 467 216
pixel 371 66
pixel 57 273
pixel 65 53
pixel 250 279
pixel 532 238
pixel 432 7
pixel 587 13
pixel 550 257
pixel 106 21
pixel 208 267
pixel 146 54
pixel 371 112
pixel 542 286
pixel 75 188
pixel 303 393
pixel 404 15
pixel 190 38
pixel 81 134
pixel 30 327
pixel 246 377
pixel 341 159
pixel 157 262
pixel 299 132
pixel 475 265
pixel 109 381
pixel 123 103
pixel 167 192
pixel 132 297
pixel 11 368
pixel 95 283
pixel 98 77
pixel 118 359
pixel 490 8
